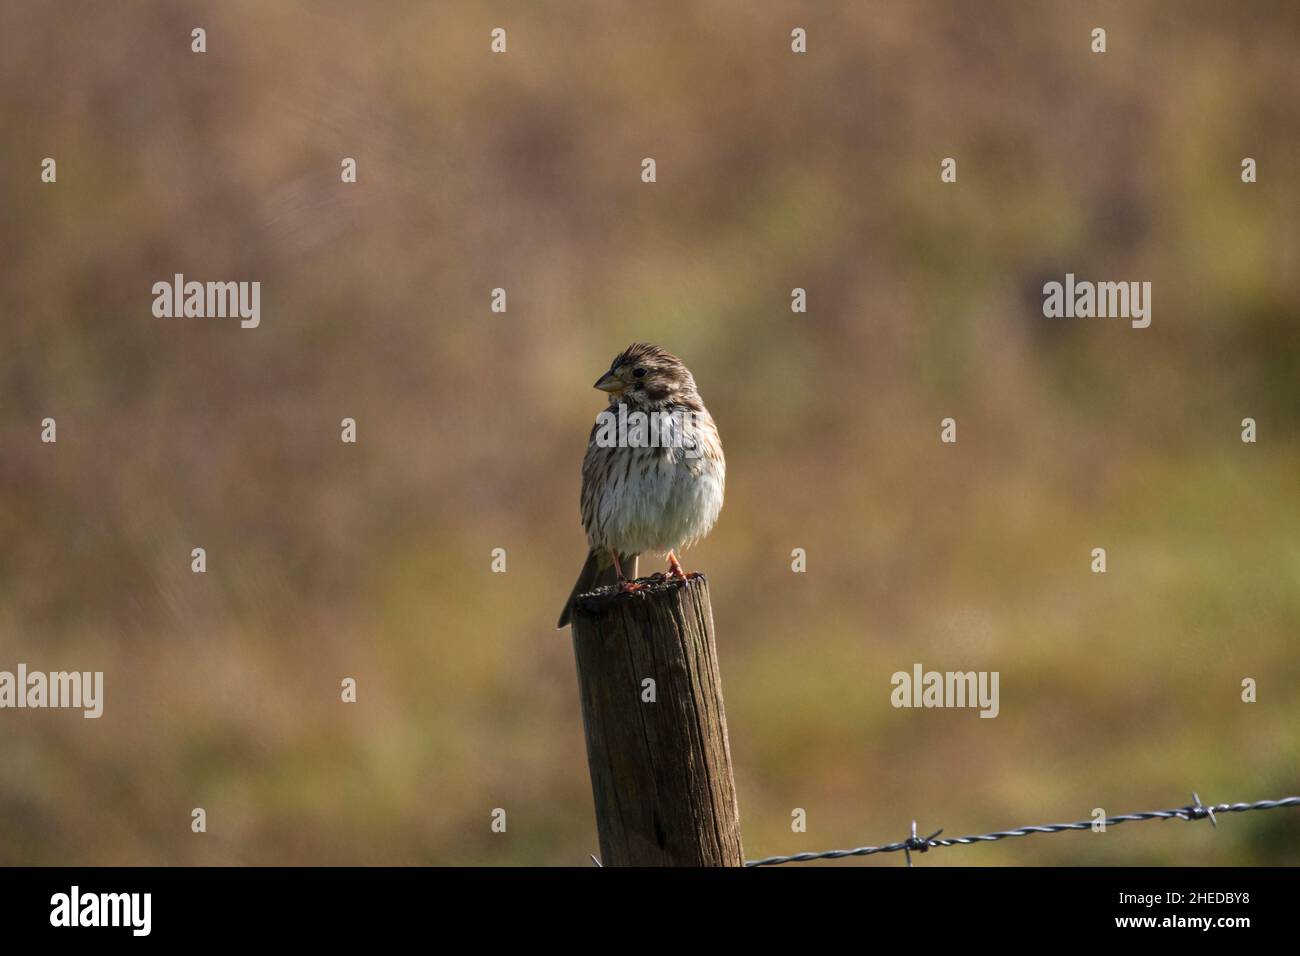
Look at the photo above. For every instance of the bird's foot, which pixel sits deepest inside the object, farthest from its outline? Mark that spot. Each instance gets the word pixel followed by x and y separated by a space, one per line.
pixel 674 569
pixel 624 586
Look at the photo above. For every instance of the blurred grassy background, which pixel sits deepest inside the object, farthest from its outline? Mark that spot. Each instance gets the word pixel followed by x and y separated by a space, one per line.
pixel 522 171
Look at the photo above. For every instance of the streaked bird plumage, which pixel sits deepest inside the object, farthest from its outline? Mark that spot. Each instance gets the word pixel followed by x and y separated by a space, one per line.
pixel 637 498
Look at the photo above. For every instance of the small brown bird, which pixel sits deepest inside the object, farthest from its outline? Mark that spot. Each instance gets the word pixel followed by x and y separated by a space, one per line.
pixel 653 475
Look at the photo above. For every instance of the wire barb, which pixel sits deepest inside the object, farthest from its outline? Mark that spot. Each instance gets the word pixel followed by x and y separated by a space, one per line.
pixel 917 844
pixel 1194 811
pixel 1199 812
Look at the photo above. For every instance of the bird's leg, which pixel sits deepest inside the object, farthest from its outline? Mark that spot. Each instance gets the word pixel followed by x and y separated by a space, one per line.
pixel 623 583
pixel 675 569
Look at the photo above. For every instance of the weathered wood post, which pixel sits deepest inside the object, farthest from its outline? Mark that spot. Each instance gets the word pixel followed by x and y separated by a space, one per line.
pixel 661 769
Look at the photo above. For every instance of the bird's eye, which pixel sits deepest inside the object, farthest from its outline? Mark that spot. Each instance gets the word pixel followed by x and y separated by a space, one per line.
pixel 639 372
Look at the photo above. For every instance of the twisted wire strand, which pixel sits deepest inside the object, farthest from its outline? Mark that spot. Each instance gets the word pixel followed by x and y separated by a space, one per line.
pixel 1194 811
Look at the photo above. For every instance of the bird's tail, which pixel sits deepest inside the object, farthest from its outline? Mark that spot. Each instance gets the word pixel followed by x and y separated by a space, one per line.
pixel 597 573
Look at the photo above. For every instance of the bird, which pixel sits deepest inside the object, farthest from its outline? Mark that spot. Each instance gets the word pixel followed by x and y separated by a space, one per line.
pixel 655 488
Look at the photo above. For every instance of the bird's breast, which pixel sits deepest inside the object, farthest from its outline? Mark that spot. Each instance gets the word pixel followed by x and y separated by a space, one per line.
pixel 655 499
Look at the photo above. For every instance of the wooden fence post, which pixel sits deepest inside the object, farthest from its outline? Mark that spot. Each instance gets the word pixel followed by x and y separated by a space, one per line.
pixel 660 770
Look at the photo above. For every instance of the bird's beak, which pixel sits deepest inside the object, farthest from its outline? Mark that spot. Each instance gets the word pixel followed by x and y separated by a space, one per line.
pixel 609 382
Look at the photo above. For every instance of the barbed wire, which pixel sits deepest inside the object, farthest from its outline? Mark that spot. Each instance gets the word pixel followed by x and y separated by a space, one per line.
pixel 1194 811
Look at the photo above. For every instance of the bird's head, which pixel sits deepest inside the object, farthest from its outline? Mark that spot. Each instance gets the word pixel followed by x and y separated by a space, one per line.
pixel 647 377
